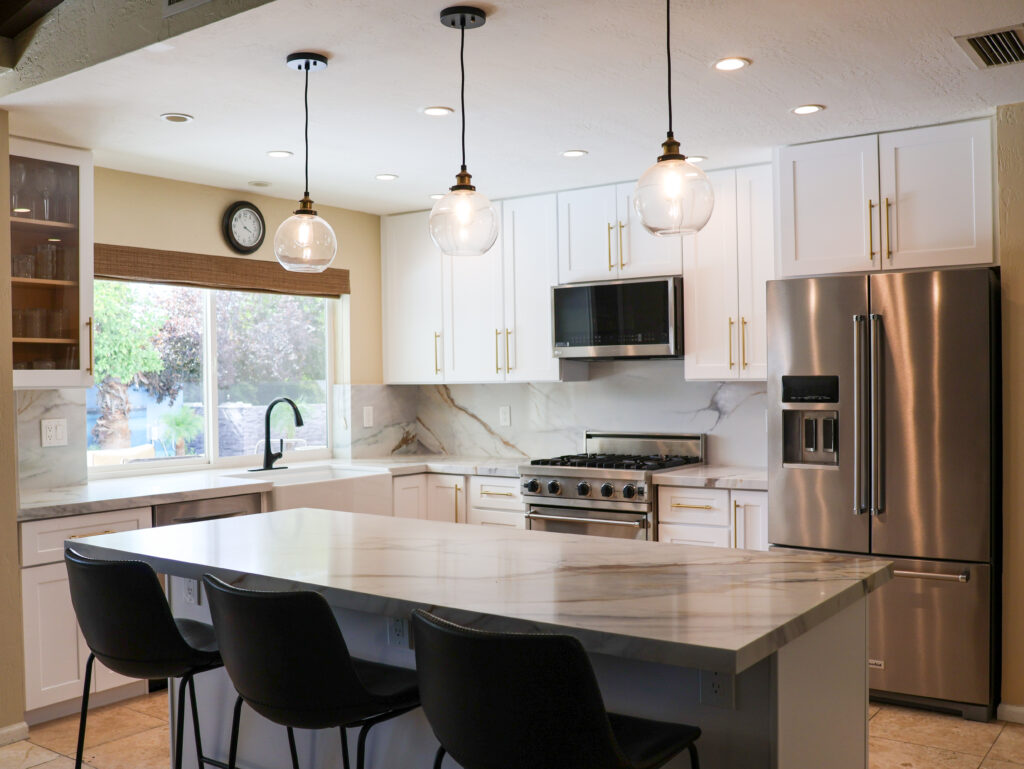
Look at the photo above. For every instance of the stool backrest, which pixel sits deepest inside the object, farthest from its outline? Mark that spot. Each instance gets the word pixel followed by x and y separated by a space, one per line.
pixel 124 617
pixel 285 654
pixel 512 700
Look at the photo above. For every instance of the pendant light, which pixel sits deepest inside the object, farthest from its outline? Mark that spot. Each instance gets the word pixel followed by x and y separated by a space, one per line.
pixel 464 222
pixel 304 242
pixel 673 196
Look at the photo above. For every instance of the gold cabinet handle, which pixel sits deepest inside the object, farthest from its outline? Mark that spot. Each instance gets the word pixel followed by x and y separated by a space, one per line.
pixel 731 324
pixel 622 264
pixel 497 363
pixel 91 534
pixel 89 324
pixel 735 517
pixel 888 230
pixel 871 231
pixel 743 341
pixel 507 359
pixel 611 266
pixel 486 493
pixel 693 507
pixel 458 489
pixel 437 368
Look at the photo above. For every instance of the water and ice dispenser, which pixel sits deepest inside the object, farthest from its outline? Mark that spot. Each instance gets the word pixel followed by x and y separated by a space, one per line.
pixel 810 434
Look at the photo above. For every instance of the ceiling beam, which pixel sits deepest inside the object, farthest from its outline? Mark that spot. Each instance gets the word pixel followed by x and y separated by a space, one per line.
pixel 18 15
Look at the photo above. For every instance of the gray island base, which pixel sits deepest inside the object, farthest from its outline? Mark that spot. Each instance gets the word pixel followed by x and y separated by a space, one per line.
pixel 765 652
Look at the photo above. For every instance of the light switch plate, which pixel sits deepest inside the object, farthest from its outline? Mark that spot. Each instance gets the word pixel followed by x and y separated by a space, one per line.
pixel 504 416
pixel 54 432
pixel 367 416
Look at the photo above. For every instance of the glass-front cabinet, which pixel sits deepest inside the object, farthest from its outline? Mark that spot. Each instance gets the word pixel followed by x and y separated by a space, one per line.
pixel 51 204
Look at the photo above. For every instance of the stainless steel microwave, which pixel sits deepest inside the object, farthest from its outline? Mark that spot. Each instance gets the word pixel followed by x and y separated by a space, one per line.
pixel 618 319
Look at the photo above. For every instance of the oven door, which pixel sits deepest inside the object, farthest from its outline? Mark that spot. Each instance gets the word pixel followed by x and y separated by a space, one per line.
pixel 598 523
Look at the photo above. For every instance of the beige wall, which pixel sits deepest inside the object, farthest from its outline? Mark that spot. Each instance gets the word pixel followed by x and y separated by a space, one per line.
pixel 1010 139
pixel 12 672
pixel 151 212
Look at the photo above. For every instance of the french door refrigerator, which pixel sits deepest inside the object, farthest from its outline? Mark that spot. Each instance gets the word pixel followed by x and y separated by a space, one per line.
pixel 884 438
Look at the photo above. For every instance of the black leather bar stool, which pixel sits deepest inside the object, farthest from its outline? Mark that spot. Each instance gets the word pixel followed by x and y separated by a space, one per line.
pixel 288 660
pixel 128 626
pixel 529 701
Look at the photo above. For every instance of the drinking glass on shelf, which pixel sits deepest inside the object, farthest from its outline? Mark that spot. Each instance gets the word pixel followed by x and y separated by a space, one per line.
pixel 18 324
pixel 35 322
pixel 46 261
pixel 65 262
pixel 67 185
pixel 23 266
pixel 55 323
pixel 46 183
pixel 20 365
pixel 44 363
pixel 18 175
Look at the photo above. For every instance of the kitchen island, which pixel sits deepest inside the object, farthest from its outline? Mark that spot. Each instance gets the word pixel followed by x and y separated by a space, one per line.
pixel 766 652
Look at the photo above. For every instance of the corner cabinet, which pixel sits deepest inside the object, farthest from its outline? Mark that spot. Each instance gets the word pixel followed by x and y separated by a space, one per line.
pixel 51 203
pixel 892 201
pixel 713 517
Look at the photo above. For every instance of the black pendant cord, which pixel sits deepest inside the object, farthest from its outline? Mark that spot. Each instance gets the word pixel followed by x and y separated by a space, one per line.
pixel 305 102
pixel 668 56
pixel 462 95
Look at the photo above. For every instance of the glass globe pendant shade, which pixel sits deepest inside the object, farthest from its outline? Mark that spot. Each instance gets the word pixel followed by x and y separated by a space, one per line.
pixel 673 197
pixel 304 242
pixel 464 222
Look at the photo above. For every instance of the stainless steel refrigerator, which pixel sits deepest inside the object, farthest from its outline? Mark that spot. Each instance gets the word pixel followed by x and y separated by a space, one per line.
pixel 884 438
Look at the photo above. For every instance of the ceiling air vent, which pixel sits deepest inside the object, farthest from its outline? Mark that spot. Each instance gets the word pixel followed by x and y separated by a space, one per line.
pixel 171 7
pixel 995 48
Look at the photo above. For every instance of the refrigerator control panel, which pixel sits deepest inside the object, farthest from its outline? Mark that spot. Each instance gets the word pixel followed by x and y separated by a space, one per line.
pixel 810 389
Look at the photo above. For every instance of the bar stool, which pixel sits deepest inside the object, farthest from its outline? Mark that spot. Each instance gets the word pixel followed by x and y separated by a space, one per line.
pixel 128 626
pixel 529 701
pixel 287 658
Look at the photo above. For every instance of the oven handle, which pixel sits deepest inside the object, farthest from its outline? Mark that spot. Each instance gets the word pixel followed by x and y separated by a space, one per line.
pixel 577 519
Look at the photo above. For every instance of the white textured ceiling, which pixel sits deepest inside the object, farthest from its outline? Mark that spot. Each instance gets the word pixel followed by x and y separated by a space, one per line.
pixel 542 77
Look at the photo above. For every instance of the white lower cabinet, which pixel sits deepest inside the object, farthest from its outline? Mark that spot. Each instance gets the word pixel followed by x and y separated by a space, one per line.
pixel 409 495
pixel 446 498
pixel 713 517
pixel 496 502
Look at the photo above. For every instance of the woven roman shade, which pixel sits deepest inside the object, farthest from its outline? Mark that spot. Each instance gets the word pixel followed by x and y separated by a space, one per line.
pixel 150 265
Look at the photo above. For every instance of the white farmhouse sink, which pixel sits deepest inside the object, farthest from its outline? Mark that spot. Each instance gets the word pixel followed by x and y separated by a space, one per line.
pixel 331 487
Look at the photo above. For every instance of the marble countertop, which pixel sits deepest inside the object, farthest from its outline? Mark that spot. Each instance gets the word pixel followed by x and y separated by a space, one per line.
pixel 714 477
pixel 710 608
pixel 440 463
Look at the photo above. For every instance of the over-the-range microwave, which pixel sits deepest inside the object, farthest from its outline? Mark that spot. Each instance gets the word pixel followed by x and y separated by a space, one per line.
pixel 618 319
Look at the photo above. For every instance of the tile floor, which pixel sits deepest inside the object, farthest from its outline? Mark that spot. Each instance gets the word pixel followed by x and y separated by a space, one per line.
pixel 133 735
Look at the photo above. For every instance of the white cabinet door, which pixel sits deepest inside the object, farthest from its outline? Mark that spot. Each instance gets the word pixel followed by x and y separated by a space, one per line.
pixel 755 262
pixel 530 250
pixel 446 498
pixel 55 652
pixel 411 301
pixel 750 515
pixel 710 317
pixel 689 534
pixel 640 253
pixel 511 520
pixel 410 495
pixel 473 317
pixel 828 207
pixel 936 186
pixel 587 235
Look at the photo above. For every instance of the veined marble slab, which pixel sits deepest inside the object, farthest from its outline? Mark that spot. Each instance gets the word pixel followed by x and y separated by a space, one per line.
pixel 708 608
pixel 714 477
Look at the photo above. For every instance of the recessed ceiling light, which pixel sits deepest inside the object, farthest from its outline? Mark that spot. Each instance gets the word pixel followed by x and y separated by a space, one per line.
pixel 386 177
pixel 696 158
pixel 437 196
pixel 177 117
pixel 279 154
pixel 808 109
pixel 437 111
pixel 53 240
pixel 574 153
pixel 259 184
pixel 731 63
pixel 22 210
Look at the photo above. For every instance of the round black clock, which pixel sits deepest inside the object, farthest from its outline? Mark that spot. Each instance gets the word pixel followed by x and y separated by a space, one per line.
pixel 243 226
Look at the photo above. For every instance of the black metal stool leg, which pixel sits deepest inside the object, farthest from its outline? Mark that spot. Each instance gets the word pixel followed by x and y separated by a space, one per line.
pixel 179 736
pixel 195 721
pixel 344 746
pixel 291 747
pixel 694 761
pixel 85 711
pixel 439 757
pixel 233 750
pixel 361 745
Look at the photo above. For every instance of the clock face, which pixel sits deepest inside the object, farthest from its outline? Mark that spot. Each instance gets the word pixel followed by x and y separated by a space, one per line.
pixel 244 228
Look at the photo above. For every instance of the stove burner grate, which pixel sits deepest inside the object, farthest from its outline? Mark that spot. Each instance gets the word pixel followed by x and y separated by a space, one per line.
pixel 618 461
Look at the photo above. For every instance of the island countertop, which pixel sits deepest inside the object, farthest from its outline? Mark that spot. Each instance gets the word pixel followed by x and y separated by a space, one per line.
pixel 710 608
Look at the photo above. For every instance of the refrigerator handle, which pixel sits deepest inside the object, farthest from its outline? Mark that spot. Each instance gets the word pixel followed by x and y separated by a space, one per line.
pixel 875 417
pixel 858 414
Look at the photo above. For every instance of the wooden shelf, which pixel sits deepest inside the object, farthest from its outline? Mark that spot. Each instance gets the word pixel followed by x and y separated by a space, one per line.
pixel 22 222
pixel 42 282
pixel 42 340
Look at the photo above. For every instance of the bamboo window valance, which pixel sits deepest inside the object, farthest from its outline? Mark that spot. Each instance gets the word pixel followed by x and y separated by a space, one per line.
pixel 150 265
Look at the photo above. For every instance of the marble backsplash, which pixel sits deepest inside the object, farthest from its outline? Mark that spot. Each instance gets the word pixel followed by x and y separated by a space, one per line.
pixel 54 466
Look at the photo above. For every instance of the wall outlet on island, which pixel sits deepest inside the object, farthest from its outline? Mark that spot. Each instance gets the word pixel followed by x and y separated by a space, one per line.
pixel 191 591
pixel 54 432
pixel 398 632
pixel 367 416
pixel 716 689
pixel 504 416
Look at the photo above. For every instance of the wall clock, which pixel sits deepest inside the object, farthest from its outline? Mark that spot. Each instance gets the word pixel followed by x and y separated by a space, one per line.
pixel 243 227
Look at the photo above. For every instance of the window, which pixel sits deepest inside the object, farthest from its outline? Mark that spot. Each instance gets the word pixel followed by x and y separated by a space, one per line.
pixel 183 375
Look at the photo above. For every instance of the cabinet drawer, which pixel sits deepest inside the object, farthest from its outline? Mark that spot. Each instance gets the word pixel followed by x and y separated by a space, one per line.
pixel 516 520
pixel 43 541
pixel 495 493
pixel 709 507
pixel 200 509
pixel 709 536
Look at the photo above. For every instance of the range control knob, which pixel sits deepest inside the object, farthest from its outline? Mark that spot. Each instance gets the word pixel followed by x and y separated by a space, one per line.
pixel 554 487
pixel 532 485
pixel 607 489
pixel 629 491
pixel 583 489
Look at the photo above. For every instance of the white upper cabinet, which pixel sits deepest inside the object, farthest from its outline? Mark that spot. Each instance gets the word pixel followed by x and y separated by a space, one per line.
pixel 936 186
pixel 897 200
pixel 641 254
pixel 828 207
pixel 725 267
pixel 412 285
pixel 587 235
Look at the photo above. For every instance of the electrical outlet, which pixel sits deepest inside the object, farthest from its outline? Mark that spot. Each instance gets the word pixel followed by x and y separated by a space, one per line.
pixel 716 689
pixel 54 432
pixel 367 416
pixel 191 587
pixel 504 416
pixel 398 632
